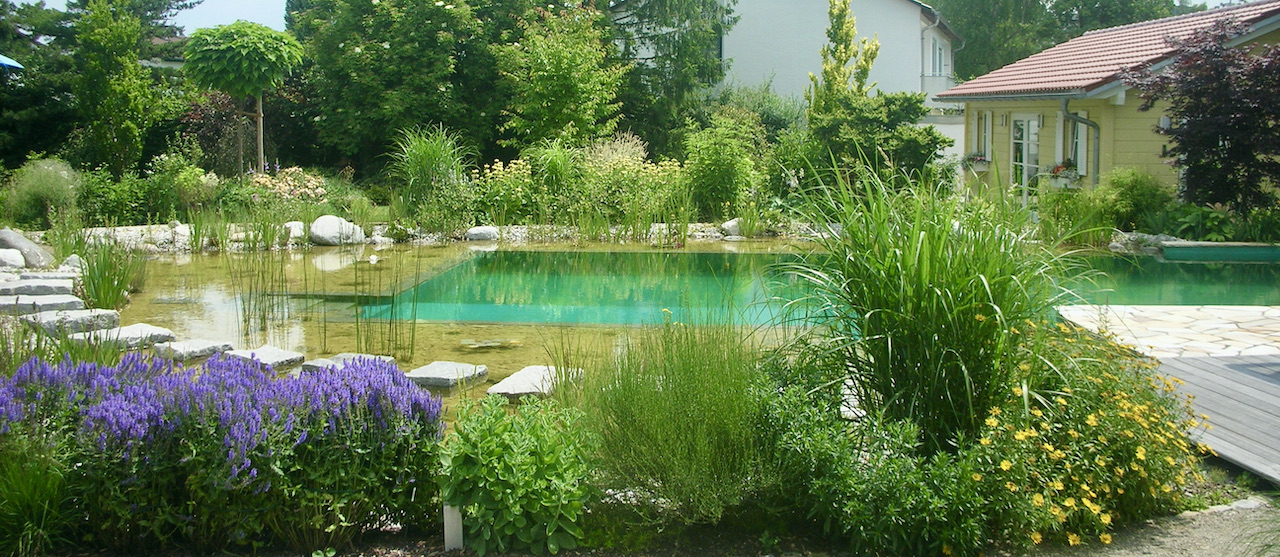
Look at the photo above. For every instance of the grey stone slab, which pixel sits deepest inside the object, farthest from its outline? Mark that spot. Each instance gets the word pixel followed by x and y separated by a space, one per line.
pixel 532 380
pixel 26 304
pixel 49 275
pixel 190 349
pixel 6 277
pixel 338 360
pixel 36 287
pixel 73 321
pixel 445 375
pixel 134 336
pixel 318 364
pixel 35 256
pixel 269 355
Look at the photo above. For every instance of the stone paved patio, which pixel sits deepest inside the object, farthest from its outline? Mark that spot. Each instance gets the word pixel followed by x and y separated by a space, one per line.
pixel 1186 331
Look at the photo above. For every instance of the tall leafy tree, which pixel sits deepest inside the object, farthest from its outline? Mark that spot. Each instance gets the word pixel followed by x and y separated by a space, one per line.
pixel 37 108
pixel 152 15
pixel 379 67
pixel 997 32
pixel 859 128
pixel 242 59
pixel 563 85
pixel 674 46
pixel 1075 17
pixel 1226 122
pixel 113 91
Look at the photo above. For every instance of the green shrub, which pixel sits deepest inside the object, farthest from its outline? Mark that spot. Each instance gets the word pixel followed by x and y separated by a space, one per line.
pixel 1136 193
pixel 520 478
pixel 678 415
pixel 433 165
pixel 1080 217
pixel 719 164
pixel 131 200
pixel 1261 225
pixel 1201 223
pixel 917 295
pixel 38 189
pixel 34 511
pixel 177 172
pixel 559 180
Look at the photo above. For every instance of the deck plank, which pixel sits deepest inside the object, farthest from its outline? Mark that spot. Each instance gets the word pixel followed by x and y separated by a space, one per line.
pixel 1241 396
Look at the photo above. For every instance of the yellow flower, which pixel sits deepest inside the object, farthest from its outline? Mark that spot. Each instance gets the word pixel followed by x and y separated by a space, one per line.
pixel 1073 539
pixel 1070 502
pixel 1036 538
pixel 985 441
pixel 1037 500
pixel 992 422
pixel 1024 366
pixel 980 317
pixel 995 411
pixel 1037 413
pixel 1073 434
pixel 1105 518
pixel 1017 391
pixel 1092 420
pixel 1047 447
pixel 1141 453
pixel 1011 486
pixel 1057 485
pixel 1105 539
pixel 1061 401
pixel 1005 465
pixel 977 477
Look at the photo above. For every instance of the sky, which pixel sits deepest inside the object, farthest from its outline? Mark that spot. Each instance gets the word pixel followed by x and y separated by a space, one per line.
pixel 267 12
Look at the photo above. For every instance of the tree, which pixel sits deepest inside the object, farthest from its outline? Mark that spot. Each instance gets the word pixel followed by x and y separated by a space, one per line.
pixel 1225 121
pixel 113 91
pixel 382 67
pixel 1075 17
pixel 562 85
pixel 674 48
pixel 153 15
pixel 37 108
pixel 242 59
pixel 856 127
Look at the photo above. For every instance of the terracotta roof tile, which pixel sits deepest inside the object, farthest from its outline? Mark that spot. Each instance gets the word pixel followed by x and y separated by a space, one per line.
pixel 1097 57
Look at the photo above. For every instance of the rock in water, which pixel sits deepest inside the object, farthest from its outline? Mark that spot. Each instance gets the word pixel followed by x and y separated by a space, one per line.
pixel 732 227
pixel 482 234
pixel 35 256
pixel 330 230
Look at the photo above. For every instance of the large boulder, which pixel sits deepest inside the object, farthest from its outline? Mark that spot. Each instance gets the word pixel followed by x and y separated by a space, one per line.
pixel 35 256
pixel 482 234
pixel 732 227
pixel 330 230
pixel 12 259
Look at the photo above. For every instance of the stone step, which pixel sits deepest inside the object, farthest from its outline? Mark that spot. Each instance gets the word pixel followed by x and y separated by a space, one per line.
pixel 48 275
pixel 35 287
pixel 190 349
pixel 73 321
pixel 269 355
pixel 7 277
pixel 538 381
pixel 131 337
pixel 337 360
pixel 25 304
pixel 446 375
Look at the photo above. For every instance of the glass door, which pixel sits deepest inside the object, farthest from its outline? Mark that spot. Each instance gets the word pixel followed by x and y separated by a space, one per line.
pixel 1026 148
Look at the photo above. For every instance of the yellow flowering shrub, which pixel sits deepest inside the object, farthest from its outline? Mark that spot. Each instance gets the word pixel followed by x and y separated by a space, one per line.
pixel 1099 442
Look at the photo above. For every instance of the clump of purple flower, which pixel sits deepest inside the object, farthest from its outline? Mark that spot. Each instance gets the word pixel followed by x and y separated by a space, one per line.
pixel 153 444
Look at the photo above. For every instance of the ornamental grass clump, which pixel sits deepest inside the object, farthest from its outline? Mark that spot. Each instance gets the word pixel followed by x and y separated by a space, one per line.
pixel 227 455
pixel 916 295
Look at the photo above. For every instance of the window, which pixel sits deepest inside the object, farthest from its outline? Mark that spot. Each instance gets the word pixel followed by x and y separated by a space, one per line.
pixel 939 58
pixel 1077 142
pixel 1025 138
pixel 982 133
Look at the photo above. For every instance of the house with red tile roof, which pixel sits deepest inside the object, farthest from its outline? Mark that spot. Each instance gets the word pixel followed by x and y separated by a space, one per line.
pixel 1066 109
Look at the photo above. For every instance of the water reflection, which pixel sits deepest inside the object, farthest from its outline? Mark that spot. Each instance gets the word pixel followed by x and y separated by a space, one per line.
pixel 1149 281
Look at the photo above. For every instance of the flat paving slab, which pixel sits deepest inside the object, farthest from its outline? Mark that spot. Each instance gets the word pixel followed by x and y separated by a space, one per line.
pixel 49 275
pixel 337 360
pixel 36 287
pixel 1185 331
pixel 131 337
pixel 190 349
pixel 73 321
pixel 26 304
pixel 537 381
pixel 447 375
pixel 266 354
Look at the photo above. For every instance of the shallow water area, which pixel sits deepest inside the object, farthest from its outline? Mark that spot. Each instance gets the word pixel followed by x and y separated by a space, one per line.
pixel 307 300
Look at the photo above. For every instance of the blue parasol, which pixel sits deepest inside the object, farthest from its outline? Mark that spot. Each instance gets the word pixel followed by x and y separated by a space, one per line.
pixel 8 62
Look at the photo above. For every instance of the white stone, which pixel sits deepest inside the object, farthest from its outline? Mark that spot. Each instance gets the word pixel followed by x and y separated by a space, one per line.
pixel 130 337
pixel 330 230
pixel 481 234
pixel 72 263
pixel 74 321
pixel 445 375
pixel 190 349
pixel 733 227
pixel 49 275
pixel 297 229
pixel 36 287
pixel 532 380
pixel 12 259
pixel 269 355
pixel 318 364
pixel 25 304
pixel 33 255
pixel 6 277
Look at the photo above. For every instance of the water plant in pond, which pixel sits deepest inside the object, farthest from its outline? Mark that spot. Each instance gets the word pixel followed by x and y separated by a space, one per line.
pixel 110 273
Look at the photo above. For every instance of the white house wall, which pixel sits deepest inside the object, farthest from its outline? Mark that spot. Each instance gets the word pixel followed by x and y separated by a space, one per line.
pixel 782 39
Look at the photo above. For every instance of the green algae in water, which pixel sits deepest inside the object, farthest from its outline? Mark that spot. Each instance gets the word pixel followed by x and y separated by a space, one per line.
pixel 608 288
pixel 1148 281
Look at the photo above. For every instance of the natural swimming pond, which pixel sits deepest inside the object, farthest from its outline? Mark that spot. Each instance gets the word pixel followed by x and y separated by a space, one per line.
pixel 597 288
pixel 1149 281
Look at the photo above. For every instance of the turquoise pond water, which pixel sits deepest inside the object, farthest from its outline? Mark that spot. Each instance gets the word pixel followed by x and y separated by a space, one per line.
pixel 608 288
pixel 624 288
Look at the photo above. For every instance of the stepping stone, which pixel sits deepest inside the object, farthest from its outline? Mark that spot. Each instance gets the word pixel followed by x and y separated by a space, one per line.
pixel 74 321
pixel 533 380
pixel 190 349
pixel 25 304
pixel 35 287
pixel 269 355
pixel 338 360
pixel 6 277
pixel 131 337
pixel 446 375
pixel 49 275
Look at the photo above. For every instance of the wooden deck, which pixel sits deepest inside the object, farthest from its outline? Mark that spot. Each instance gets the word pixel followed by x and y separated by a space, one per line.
pixel 1241 396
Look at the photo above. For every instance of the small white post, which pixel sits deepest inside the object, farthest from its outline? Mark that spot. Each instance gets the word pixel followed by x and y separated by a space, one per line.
pixel 452 528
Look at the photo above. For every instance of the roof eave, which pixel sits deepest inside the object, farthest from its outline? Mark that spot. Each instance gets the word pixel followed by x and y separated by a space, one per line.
pixel 1007 96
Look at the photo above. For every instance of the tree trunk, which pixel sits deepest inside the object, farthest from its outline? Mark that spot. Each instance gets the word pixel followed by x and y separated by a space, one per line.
pixel 262 160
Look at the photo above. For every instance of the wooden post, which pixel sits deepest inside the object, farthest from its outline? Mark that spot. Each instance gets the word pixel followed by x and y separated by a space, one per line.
pixel 262 160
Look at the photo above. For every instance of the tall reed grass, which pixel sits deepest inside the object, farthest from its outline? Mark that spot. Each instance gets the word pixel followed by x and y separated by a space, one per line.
pixel 111 273
pixel 924 300
pixel 433 164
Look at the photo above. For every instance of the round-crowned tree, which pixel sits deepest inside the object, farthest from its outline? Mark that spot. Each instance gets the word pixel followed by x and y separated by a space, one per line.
pixel 242 59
